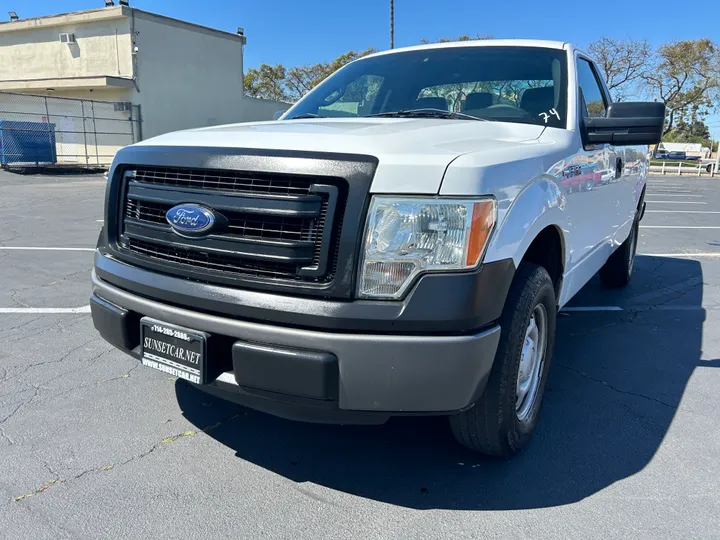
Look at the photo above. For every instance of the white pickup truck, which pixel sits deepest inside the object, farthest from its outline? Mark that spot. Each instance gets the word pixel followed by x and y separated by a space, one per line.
pixel 398 243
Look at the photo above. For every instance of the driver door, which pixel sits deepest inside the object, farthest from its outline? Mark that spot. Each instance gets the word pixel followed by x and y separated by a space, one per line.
pixel 601 184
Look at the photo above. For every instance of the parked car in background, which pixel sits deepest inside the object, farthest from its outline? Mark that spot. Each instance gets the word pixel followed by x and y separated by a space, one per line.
pixel 676 155
pixel 708 164
pixel 692 158
pixel 661 154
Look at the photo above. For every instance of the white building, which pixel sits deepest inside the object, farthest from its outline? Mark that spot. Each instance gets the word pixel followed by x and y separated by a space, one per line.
pixel 691 149
pixel 182 75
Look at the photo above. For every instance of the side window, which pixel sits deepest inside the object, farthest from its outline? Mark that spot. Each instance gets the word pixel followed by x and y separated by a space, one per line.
pixel 356 99
pixel 590 88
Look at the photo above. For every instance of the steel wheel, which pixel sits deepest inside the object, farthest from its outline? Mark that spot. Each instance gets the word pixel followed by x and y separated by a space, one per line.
pixel 503 419
pixel 531 362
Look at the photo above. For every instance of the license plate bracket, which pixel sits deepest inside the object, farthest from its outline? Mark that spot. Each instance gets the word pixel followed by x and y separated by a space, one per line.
pixel 176 350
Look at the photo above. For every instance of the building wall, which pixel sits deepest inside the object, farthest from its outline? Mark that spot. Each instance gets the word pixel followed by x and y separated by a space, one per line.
pixel 190 77
pixel 255 109
pixel 185 77
pixel 35 52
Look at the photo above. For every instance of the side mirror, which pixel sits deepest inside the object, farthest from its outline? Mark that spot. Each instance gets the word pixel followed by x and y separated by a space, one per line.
pixel 278 114
pixel 625 124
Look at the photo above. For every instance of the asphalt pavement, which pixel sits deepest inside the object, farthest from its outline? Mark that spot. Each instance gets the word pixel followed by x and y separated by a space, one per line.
pixel 94 446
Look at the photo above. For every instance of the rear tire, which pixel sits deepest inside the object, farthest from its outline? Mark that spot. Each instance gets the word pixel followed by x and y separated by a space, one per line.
pixel 500 424
pixel 617 270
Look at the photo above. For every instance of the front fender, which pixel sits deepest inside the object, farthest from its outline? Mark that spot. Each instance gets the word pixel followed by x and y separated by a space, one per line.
pixel 538 205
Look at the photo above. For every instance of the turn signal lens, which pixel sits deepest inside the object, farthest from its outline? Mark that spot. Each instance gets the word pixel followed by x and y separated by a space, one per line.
pixel 483 220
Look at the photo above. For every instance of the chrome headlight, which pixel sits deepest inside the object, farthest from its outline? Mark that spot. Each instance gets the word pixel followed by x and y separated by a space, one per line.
pixel 407 236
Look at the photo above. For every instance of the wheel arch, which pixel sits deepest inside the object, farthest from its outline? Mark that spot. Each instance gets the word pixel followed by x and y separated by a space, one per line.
pixel 535 228
pixel 547 249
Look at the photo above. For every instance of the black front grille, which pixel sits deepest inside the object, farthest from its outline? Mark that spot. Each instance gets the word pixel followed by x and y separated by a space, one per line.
pixel 239 224
pixel 268 226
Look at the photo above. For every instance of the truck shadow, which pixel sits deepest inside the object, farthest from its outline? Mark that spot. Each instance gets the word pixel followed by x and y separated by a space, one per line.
pixel 616 382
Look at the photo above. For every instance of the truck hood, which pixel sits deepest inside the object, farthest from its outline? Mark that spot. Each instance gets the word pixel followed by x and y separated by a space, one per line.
pixel 412 153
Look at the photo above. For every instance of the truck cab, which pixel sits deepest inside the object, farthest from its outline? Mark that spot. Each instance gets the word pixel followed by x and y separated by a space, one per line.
pixel 397 243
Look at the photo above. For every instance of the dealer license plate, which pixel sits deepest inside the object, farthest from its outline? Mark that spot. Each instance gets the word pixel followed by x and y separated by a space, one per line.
pixel 179 351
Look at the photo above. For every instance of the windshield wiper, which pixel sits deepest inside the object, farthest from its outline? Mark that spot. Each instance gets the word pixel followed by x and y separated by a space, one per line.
pixel 306 115
pixel 426 113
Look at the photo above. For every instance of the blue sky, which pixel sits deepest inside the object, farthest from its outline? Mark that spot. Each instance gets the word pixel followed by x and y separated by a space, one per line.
pixel 300 32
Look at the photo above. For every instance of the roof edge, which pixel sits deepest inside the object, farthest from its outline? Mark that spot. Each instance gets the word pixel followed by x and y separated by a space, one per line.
pixel 478 43
pixel 186 24
pixel 108 13
pixel 60 19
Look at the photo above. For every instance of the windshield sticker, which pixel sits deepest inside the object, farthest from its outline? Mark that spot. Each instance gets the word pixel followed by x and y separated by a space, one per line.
pixel 547 115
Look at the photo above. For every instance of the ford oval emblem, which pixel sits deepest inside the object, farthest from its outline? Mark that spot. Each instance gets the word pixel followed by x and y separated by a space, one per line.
pixel 190 219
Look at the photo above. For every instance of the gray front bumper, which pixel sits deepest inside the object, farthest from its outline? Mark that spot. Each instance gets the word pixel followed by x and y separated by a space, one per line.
pixel 379 373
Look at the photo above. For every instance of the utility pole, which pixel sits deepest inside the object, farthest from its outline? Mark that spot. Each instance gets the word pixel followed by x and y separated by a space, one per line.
pixel 392 24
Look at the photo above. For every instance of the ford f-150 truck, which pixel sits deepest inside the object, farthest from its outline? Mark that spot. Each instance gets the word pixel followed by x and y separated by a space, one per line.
pixel 397 243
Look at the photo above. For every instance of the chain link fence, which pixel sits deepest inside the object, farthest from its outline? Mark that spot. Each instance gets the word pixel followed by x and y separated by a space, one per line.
pixel 55 131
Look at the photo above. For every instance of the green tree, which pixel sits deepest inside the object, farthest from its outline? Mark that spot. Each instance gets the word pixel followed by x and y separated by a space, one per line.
pixel 622 62
pixel 267 82
pixel 685 75
pixel 689 128
pixel 282 84
pixel 300 80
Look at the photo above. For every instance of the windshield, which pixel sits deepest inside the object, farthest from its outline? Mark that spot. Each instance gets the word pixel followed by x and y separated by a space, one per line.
pixel 507 84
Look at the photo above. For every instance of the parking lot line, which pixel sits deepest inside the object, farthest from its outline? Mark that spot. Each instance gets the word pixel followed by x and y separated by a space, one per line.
pixel 682 211
pixel 669 193
pixel 678 227
pixel 83 309
pixel 37 248
pixel 592 308
pixel 578 309
pixel 682 255
pixel 678 202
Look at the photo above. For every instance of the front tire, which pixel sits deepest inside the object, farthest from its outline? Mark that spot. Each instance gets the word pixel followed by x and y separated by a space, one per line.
pixel 502 421
pixel 617 270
